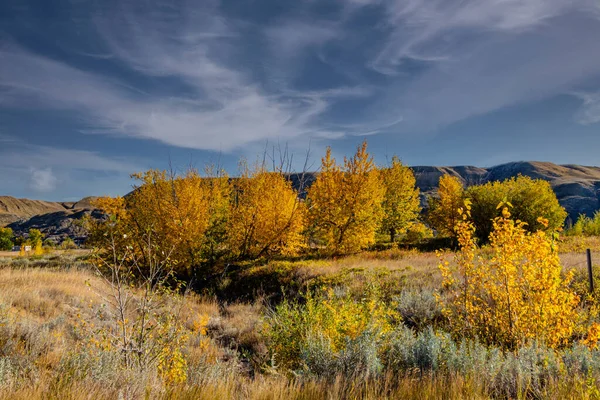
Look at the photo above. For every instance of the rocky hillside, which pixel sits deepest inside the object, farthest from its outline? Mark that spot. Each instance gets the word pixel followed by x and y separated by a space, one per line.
pixel 57 220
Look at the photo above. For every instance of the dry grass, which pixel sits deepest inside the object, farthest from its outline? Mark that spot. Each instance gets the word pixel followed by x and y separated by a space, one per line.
pixel 44 306
pixel 74 252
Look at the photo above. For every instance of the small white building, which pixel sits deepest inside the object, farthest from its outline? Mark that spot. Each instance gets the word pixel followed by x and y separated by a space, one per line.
pixel 18 248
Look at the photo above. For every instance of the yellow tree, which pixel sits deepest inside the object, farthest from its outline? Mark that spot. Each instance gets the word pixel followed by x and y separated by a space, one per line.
pixel 401 205
pixel 516 295
pixel 345 204
pixel 443 209
pixel 35 240
pixel 178 214
pixel 174 210
pixel 266 215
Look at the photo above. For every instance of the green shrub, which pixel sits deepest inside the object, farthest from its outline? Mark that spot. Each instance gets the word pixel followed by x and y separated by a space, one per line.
pixel 6 239
pixel 530 200
pixel 585 226
pixel 326 319
pixel 418 309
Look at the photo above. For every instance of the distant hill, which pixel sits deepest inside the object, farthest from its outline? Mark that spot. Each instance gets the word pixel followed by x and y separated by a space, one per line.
pixel 57 220
pixel 577 189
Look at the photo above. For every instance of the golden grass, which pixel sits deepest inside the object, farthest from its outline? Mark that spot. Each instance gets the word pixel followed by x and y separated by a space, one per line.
pixel 54 300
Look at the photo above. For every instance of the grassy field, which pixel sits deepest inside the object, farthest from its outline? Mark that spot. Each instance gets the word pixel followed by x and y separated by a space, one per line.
pixel 76 252
pixel 55 327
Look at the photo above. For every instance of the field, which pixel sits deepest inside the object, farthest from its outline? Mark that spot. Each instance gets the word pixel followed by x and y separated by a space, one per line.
pixel 55 327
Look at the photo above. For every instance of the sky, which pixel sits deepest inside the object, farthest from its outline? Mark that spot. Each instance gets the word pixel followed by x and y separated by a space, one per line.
pixel 94 90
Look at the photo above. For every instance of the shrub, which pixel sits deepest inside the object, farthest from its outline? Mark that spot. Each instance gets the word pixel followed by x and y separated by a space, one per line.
pixel 530 199
pixel 516 295
pixel 585 226
pixel 6 239
pixel 326 319
pixel 417 233
pixel 418 309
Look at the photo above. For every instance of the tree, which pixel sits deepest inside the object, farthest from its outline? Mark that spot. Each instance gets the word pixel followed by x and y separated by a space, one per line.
pixel 443 209
pixel 184 214
pixel 6 239
pixel 529 198
pixel 35 239
pixel 267 217
pixel 345 204
pixel 401 205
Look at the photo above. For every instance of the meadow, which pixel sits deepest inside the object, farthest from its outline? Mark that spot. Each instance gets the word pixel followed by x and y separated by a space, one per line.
pixel 235 335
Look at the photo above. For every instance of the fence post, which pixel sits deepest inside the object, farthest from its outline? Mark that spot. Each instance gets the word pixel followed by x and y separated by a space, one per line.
pixel 590 271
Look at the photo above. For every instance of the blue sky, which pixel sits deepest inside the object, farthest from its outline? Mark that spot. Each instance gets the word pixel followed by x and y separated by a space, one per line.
pixel 91 91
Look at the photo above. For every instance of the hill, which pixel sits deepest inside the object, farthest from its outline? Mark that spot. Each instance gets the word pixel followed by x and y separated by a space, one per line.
pixel 57 220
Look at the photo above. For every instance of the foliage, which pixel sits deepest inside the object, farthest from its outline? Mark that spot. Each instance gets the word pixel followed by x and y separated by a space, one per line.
pixel 177 209
pixel 514 296
pixel 401 204
pixel 6 239
pixel 184 214
pixel 442 209
pixel 417 233
pixel 344 203
pixel 332 319
pixel 267 217
pixel 35 239
pixel 530 199
pixel 585 226
pixel 68 244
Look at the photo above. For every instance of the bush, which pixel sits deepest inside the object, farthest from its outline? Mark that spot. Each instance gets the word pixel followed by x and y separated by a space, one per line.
pixel 417 233
pixel 358 359
pixel 530 199
pixel 6 239
pixel 516 295
pixel 585 226
pixel 418 309
pixel 325 320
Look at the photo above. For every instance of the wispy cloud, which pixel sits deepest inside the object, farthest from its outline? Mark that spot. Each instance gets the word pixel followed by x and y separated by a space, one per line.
pixel 58 171
pixel 220 106
pixel 43 180
pixel 193 75
pixel 590 109
pixel 25 156
pixel 477 57
pixel 431 30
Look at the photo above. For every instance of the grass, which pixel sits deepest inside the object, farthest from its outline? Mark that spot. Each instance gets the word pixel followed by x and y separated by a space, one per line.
pixel 45 352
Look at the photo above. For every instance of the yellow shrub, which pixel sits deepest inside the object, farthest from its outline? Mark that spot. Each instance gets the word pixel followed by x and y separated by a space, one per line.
pixel 332 317
pixel 517 294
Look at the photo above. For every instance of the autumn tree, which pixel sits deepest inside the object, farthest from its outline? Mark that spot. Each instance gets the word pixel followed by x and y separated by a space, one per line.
pixel 401 204
pixel 442 214
pixel 345 202
pixel 529 198
pixel 516 293
pixel 183 215
pixel 6 238
pixel 35 239
pixel 267 217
